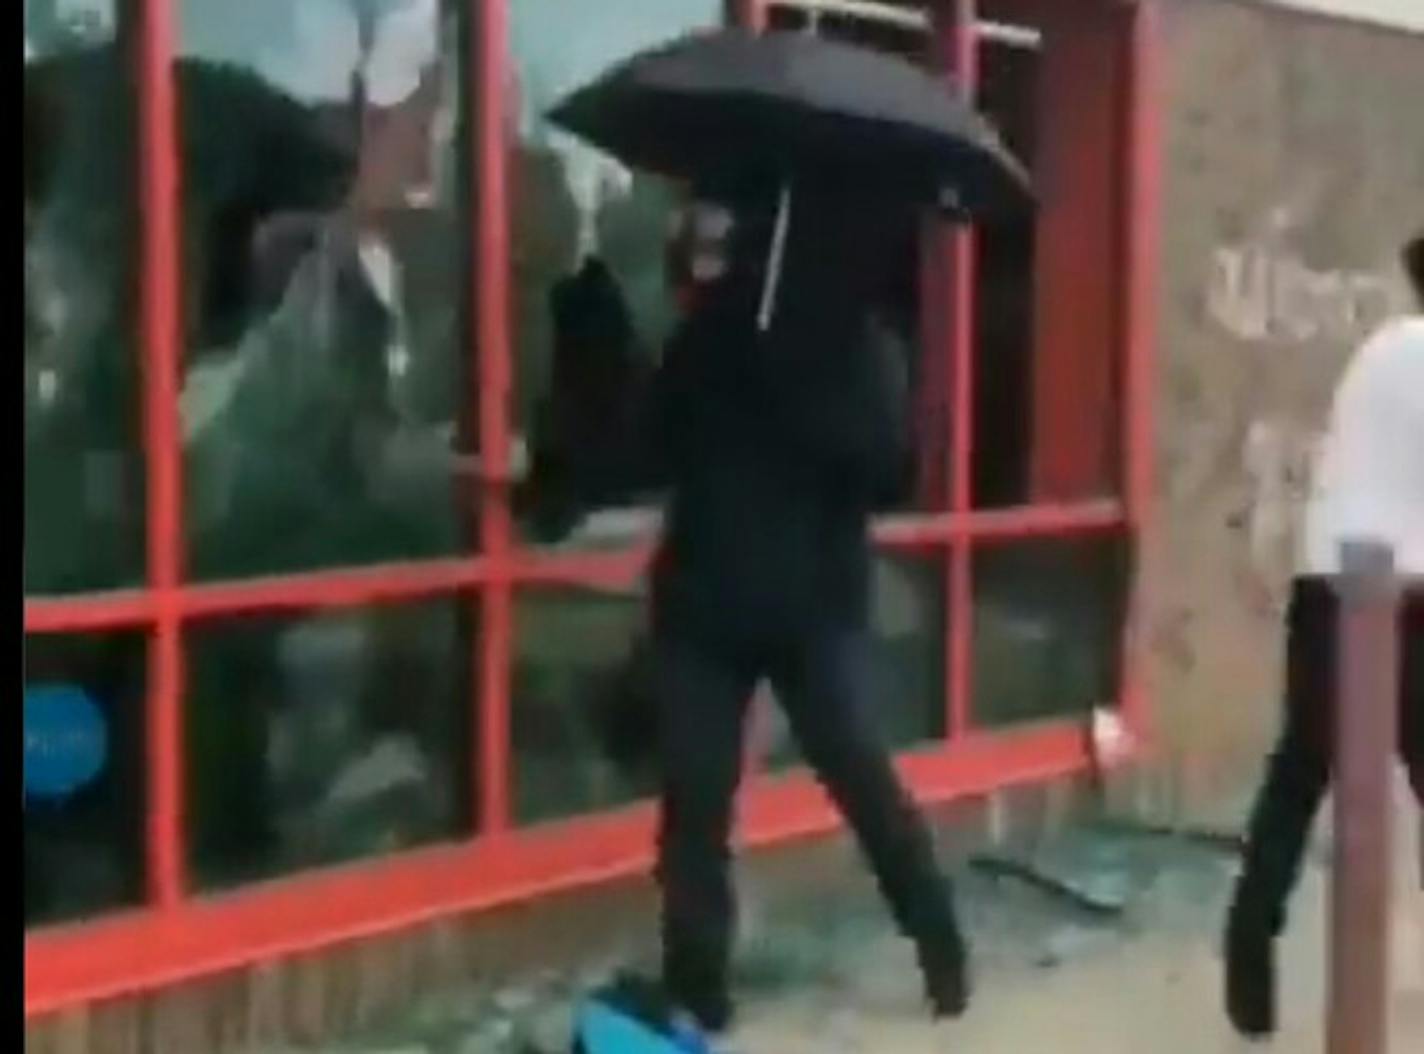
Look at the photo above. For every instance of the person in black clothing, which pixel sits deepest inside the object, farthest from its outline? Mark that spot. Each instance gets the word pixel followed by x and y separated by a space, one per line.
pixel 776 447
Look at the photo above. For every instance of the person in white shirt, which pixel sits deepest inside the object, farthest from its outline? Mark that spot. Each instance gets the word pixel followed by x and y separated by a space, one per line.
pixel 1370 485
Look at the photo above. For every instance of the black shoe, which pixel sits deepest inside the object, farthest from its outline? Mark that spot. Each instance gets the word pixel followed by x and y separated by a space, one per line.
pixel 701 993
pixel 711 1010
pixel 943 963
pixel 1251 980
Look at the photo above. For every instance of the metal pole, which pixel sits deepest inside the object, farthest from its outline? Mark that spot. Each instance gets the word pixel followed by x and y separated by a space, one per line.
pixel 1365 720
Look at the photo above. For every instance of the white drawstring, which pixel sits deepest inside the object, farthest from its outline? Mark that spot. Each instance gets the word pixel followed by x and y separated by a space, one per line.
pixel 783 220
pixel 813 18
pixel 774 259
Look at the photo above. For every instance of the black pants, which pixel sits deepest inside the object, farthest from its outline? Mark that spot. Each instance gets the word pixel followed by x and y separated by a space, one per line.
pixel 822 681
pixel 1299 770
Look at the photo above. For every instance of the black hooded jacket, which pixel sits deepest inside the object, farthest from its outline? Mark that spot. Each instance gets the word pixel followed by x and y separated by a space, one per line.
pixel 778 446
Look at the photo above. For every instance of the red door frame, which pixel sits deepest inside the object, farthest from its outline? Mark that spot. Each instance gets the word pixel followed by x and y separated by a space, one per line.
pixel 179 935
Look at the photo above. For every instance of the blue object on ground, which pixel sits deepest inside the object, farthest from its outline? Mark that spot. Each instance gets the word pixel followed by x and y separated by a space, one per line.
pixel 625 1019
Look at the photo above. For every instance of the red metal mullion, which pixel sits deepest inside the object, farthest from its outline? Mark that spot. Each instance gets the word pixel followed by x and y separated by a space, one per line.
pixel 1139 226
pixel 489 84
pixel 490 292
pixel 350 587
pixel 612 568
pixel 792 805
pixel 1024 521
pixel 615 568
pixel 87 614
pixel 492 732
pixel 344 587
pixel 160 343
pixel 953 49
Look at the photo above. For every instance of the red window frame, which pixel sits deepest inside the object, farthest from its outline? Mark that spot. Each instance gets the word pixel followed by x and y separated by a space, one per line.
pixel 178 935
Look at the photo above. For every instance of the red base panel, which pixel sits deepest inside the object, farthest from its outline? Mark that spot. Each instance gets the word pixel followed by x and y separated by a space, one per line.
pixel 130 954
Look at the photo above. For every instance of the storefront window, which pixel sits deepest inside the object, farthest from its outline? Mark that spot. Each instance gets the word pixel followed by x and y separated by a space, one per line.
pixel 1048 397
pixel 592 303
pixel 1045 399
pixel 582 703
pixel 327 401
pixel 329 386
pixel 83 470
pixel 318 739
pixel 1048 623
pixel 83 774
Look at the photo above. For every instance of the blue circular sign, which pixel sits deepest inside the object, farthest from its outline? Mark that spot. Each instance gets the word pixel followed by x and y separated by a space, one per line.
pixel 66 740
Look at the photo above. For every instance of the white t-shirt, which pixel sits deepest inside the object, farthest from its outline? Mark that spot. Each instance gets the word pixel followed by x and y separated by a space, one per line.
pixel 1370 477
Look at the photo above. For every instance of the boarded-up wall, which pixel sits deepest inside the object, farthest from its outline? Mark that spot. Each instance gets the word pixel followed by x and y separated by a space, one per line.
pixel 1294 166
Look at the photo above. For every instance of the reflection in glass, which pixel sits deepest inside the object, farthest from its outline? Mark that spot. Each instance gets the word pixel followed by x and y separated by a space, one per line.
pixel 83 471
pixel 84 775
pixel 909 628
pixel 319 739
pixel 591 298
pixel 1004 296
pixel 326 398
pixel 1048 623
pixel 581 691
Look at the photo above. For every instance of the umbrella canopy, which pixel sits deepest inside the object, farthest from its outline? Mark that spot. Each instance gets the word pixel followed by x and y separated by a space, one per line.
pixel 730 109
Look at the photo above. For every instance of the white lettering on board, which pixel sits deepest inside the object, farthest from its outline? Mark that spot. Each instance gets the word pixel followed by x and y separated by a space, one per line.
pixel 1260 289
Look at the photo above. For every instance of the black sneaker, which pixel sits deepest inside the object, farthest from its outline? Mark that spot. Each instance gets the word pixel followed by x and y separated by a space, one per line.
pixel 712 1011
pixel 1251 980
pixel 701 995
pixel 945 970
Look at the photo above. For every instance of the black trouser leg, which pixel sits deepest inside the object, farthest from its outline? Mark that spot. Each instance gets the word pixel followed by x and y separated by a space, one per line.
pixel 702 705
pixel 1296 778
pixel 1299 770
pixel 824 685
pixel 1295 784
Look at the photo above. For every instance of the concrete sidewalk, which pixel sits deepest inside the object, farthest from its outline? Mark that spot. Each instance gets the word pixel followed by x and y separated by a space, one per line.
pixel 1151 985
pixel 1051 982
pixel 830 977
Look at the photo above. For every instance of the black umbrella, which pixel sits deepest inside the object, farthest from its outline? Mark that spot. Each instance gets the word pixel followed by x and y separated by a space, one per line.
pixel 729 108
pixel 732 110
